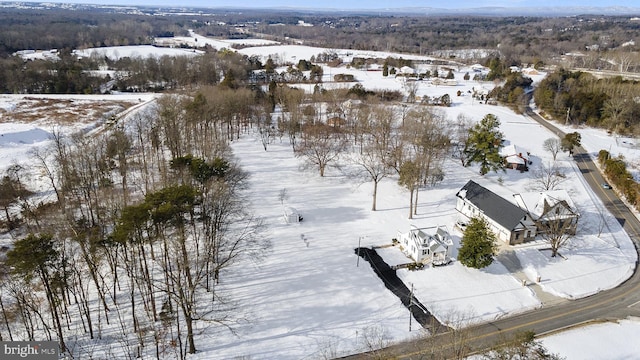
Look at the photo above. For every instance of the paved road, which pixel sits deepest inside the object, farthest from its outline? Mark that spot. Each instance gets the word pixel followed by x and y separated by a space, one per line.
pixel 618 303
pixel 595 179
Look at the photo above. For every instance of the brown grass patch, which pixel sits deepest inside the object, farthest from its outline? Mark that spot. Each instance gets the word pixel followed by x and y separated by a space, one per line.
pixel 62 111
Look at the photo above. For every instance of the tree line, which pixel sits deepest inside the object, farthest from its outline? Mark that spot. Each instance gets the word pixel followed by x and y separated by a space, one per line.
pixel 44 29
pixel 520 39
pixel 611 40
pixel 75 75
pixel 577 98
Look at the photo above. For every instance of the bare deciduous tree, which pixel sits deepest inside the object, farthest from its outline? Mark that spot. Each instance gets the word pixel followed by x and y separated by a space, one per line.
pixel 409 178
pixel 374 155
pixel 547 177
pixel 411 88
pixel 521 345
pixel 460 136
pixel 615 110
pixel 373 340
pixel 321 146
pixel 557 226
pixel 374 164
pixel 552 145
pixel 427 132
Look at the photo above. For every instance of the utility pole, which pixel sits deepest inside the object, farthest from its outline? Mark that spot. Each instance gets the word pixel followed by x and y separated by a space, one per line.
pixel 410 305
pixel 358 252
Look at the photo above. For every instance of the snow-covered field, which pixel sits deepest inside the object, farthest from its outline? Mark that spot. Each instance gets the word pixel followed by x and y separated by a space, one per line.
pixel 135 51
pixel 308 299
pixel 195 40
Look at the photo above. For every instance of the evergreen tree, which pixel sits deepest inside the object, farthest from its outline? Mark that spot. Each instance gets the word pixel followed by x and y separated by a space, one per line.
pixel 270 66
pixel 37 257
pixel 229 80
pixel 445 100
pixel 570 141
pixel 478 245
pixel 304 65
pixel 483 145
pixel 316 73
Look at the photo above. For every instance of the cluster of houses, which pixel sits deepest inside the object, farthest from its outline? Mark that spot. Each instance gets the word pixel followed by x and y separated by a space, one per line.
pixel 513 222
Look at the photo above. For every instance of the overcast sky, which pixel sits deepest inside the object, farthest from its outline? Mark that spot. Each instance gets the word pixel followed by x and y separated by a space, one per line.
pixel 363 4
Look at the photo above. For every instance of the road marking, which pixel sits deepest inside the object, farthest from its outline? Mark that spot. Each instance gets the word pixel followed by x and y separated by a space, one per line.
pixel 634 304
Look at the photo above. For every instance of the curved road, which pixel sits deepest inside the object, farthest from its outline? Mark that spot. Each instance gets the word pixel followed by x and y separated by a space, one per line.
pixel 618 303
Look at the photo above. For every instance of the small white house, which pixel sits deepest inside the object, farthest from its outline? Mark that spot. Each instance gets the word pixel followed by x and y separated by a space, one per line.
pixel 427 245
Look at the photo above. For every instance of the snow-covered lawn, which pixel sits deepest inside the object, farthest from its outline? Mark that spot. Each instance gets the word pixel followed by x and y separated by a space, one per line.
pixel 610 340
pixel 308 295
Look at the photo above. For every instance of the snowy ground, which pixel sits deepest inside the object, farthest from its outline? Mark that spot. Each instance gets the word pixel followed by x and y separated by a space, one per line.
pixel 308 299
pixel 610 340
pixel 136 51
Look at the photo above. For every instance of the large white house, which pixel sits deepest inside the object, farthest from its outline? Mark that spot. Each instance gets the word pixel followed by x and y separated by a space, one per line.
pixel 427 245
pixel 510 223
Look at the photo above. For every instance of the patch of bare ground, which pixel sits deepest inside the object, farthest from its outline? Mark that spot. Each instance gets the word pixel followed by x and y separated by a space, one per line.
pixel 62 111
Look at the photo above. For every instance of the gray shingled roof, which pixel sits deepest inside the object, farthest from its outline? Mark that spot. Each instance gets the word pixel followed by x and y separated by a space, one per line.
pixel 495 207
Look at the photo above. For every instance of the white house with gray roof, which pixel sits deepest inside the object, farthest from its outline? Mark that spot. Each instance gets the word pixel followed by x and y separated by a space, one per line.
pixel 510 223
pixel 427 245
